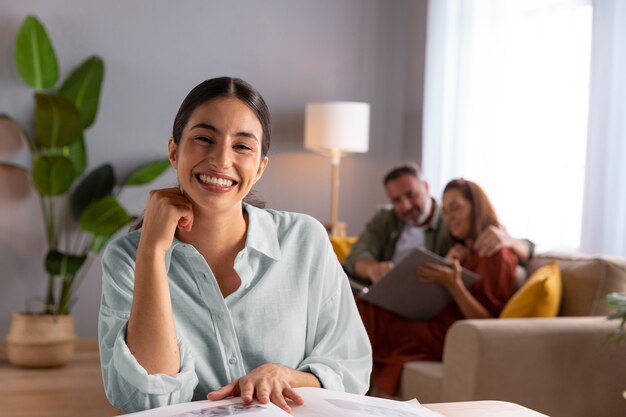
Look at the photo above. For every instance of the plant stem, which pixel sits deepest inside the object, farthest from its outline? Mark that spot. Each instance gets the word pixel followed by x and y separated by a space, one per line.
pixel 46 219
pixel 80 275
pixel 55 241
pixel 49 225
pixel 50 299
pixel 66 292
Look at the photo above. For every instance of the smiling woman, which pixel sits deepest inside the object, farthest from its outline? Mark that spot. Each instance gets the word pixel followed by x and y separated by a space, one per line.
pixel 213 295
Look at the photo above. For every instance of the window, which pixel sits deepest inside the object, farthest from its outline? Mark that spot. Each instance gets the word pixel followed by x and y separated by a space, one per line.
pixel 506 101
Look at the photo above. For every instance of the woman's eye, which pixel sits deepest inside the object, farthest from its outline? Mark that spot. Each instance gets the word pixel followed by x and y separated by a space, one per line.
pixel 241 146
pixel 205 139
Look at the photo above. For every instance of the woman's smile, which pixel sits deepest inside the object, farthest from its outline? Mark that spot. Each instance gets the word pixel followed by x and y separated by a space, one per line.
pixel 216 181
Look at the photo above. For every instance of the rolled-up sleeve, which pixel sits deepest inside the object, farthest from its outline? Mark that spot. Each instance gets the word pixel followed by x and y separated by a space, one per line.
pixel 127 384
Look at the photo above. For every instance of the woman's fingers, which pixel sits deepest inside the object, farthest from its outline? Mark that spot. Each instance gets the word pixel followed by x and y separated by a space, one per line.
pixel 166 210
pixel 266 383
pixel 429 270
pixel 229 390
pixel 185 223
pixel 263 393
pixel 437 273
pixel 291 394
pixel 278 397
pixel 247 389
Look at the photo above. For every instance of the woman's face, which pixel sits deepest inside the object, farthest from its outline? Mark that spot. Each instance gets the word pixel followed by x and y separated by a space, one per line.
pixel 218 158
pixel 457 214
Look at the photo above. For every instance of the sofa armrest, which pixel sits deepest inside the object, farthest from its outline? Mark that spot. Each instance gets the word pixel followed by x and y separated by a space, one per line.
pixel 558 366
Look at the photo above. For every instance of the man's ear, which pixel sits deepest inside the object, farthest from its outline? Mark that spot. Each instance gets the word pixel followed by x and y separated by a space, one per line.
pixel 171 151
pixel 262 167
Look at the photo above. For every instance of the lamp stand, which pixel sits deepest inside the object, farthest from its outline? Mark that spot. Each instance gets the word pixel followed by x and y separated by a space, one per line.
pixel 336 227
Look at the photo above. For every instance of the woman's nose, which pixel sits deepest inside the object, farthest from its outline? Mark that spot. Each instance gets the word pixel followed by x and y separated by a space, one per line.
pixel 222 157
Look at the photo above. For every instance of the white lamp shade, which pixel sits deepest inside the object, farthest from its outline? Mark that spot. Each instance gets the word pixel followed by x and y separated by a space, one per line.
pixel 337 127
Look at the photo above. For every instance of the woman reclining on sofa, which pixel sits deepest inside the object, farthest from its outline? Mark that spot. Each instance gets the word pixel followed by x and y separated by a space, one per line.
pixel 395 340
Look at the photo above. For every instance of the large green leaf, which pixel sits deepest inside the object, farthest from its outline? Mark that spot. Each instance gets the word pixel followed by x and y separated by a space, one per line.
pixel 77 152
pixel 97 184
pixel 148 172
pixel 35 59
pixel 58 263
pixel 57 122
pixel 82 87
pixel 104 217
pixel 53 174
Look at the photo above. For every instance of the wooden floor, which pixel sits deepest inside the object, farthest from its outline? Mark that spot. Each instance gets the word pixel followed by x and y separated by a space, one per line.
pixel 73 390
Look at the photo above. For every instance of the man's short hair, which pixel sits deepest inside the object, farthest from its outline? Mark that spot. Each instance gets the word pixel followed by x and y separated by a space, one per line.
pixel 405 169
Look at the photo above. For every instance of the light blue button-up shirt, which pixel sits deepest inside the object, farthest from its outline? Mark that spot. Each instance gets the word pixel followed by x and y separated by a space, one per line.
pixel 293 307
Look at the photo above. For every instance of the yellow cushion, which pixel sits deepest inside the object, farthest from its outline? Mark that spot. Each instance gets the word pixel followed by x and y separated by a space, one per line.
pixel 540 296
pixel 342 245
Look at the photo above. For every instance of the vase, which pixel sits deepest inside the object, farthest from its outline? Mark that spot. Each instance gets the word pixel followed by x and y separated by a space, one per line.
pixel 40 340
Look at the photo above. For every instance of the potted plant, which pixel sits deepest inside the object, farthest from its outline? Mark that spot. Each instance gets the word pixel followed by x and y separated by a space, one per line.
pixel 58 159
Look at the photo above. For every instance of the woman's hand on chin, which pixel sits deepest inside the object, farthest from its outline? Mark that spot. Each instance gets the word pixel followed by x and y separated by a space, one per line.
pixel 166 210
pixel 268 382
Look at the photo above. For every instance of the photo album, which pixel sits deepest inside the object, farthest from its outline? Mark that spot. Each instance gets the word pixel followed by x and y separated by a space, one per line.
pixel 318 402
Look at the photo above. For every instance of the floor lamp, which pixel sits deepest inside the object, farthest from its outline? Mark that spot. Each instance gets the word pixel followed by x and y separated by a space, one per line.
pixel 336 129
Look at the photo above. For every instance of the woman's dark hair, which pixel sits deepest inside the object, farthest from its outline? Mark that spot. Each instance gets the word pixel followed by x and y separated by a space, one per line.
pixel 483 213
pixel 224 87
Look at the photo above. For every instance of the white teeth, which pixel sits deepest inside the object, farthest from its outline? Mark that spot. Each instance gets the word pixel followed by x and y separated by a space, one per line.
pixel 221 182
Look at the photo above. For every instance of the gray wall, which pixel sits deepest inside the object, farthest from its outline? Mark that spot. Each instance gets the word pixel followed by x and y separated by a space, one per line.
pixel 293 51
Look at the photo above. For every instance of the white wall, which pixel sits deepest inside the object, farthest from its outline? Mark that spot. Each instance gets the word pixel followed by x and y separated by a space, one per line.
pixel 293 51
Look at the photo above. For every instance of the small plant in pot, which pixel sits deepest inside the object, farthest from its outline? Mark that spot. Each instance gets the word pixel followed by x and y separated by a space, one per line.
pixel 58 160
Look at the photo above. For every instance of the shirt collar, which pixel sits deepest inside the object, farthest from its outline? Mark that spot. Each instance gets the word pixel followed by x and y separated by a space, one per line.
pixel 261 235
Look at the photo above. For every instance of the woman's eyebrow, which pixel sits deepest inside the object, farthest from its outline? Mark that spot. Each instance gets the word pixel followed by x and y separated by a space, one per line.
pixel 247 135
pixel 206 126
pixel 212 128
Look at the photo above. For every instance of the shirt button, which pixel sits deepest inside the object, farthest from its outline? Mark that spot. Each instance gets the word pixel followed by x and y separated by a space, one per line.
pixel 232 361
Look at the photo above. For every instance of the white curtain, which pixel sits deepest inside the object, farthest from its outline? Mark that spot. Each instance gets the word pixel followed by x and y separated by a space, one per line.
pixel 604 219
pixel 505 105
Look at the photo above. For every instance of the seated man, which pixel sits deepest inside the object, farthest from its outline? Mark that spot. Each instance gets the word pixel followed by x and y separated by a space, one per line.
pixel 414 220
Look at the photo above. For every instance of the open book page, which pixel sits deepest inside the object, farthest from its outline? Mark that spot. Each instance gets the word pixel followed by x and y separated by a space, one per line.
pixel 228 407
pixel 326 403
pixel 317 403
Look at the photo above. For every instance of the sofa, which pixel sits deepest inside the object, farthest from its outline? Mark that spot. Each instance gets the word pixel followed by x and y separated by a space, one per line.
pixel 561 366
